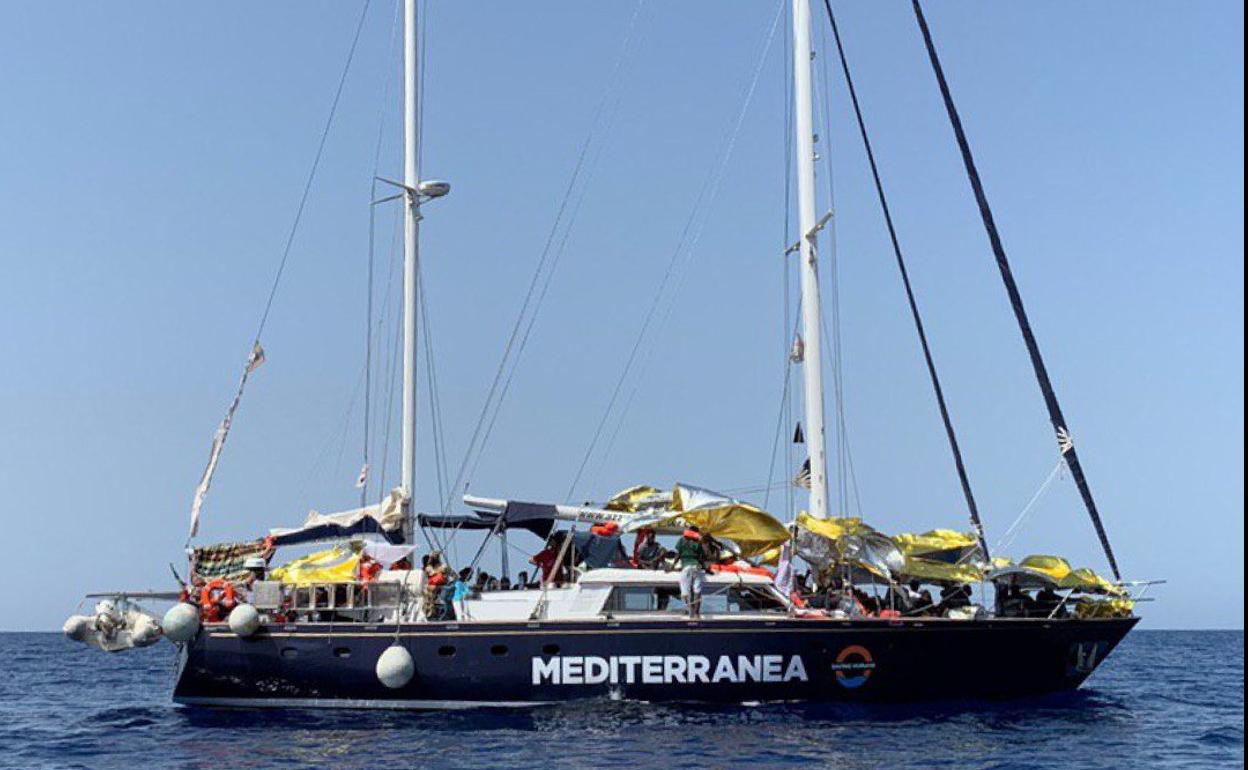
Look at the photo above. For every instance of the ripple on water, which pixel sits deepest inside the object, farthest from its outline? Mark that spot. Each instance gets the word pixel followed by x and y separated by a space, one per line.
pixel 64 707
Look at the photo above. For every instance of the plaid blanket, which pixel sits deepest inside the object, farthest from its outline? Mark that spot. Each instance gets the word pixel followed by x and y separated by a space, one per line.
pixel 225 560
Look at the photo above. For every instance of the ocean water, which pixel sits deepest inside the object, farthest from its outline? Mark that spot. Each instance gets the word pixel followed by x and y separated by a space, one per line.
pixel 1165 699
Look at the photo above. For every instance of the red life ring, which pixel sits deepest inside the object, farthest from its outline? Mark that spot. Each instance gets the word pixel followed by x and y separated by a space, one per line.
pixel 216 596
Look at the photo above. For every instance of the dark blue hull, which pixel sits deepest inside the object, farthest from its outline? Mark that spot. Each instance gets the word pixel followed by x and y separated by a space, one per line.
pixel 516 664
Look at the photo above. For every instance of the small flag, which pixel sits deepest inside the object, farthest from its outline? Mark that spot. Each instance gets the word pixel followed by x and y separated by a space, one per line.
pixel 362 479
pixel 798 436
pixel 256 358
pixel 802 479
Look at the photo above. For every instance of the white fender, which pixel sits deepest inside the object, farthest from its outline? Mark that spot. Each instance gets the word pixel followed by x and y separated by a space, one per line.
pixel 244 620
pixel 181 622
pixel 395 667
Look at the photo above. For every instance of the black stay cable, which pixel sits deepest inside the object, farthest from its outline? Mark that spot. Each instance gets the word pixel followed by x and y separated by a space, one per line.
pixel 905 279
pixel 1016 300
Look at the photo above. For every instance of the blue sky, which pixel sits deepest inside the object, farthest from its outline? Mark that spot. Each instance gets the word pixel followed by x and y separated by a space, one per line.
pixel 152 156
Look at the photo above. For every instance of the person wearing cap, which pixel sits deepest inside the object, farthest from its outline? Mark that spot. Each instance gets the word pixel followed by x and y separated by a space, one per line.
pixel 691 558
pixel 256 568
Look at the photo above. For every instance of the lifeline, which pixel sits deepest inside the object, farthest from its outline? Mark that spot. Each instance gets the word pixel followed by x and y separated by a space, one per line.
pixel 666 669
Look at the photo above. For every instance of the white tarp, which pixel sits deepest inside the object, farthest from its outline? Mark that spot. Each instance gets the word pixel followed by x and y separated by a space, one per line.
pixel 218 440
pixel 388 514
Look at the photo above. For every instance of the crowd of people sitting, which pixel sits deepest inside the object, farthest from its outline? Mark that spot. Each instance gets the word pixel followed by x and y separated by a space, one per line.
pixel 1014 602
pixel 441 588
pixel 832 592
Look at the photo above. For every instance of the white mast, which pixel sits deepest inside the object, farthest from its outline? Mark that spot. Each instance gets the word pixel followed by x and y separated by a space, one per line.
pixel 411 231
pixel 812 372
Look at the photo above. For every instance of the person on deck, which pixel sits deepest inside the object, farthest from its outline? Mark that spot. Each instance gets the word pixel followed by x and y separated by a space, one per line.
pixel 1049 603
pixel 437 577
pixel 648 554
pixel 546 558
pixel 1012 602
pixel 522 581
pixel 692 562
pixel 954 597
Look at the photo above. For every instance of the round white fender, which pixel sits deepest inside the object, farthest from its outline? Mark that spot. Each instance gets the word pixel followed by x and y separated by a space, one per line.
pixel 395 667
pixel 244 620
pixel 181 622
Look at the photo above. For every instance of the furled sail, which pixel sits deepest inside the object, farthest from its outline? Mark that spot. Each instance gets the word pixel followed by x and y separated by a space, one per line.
pixel 384 518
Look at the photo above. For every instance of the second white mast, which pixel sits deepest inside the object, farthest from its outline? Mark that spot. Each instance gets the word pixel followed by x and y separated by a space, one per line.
pixel 812 372
pixel 411 232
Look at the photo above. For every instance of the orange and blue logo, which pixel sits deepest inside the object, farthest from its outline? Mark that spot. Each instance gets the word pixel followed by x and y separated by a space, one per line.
pixel 853 666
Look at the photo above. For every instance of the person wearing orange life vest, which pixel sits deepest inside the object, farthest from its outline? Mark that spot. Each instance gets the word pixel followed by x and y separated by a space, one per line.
pixel 437 577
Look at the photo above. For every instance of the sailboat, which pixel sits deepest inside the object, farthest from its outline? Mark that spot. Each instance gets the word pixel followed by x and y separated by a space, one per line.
pixel 356 626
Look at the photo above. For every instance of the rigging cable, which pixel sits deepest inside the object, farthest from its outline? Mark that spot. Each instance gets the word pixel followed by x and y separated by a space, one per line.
pixel 372 242
pixel 255 355
pixel 835 340
pixel 785 418
pixel 1007 538
pixel 1056 417
pixel 690 235
pixel 316 162
pixel 946 419
pixel 494 396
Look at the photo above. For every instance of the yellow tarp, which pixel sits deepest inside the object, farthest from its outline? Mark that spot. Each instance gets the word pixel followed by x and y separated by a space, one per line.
pixel 833 529
pixel 753 530
pixel 933 541
pixel 940 572
pixel 1104 608
pixel 629 499
pixel 1088 581
pixel 1054 567
pixel 335 565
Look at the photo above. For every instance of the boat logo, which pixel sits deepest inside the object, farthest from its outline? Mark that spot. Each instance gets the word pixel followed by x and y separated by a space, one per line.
pixel 853 666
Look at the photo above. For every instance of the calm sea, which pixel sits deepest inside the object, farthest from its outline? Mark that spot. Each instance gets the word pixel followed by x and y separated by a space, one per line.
pixel 1165 699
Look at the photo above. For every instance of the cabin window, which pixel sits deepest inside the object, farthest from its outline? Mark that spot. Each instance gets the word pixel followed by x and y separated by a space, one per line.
pixel 716 600
pixel 498 650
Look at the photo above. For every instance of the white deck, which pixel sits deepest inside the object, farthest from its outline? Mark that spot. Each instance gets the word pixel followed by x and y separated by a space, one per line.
pixel 587 599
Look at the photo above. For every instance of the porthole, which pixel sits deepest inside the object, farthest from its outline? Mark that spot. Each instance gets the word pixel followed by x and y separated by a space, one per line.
pixel 290 652
pixel 498 650
pixel 550 649
pixel 342 652
pixel 447 651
